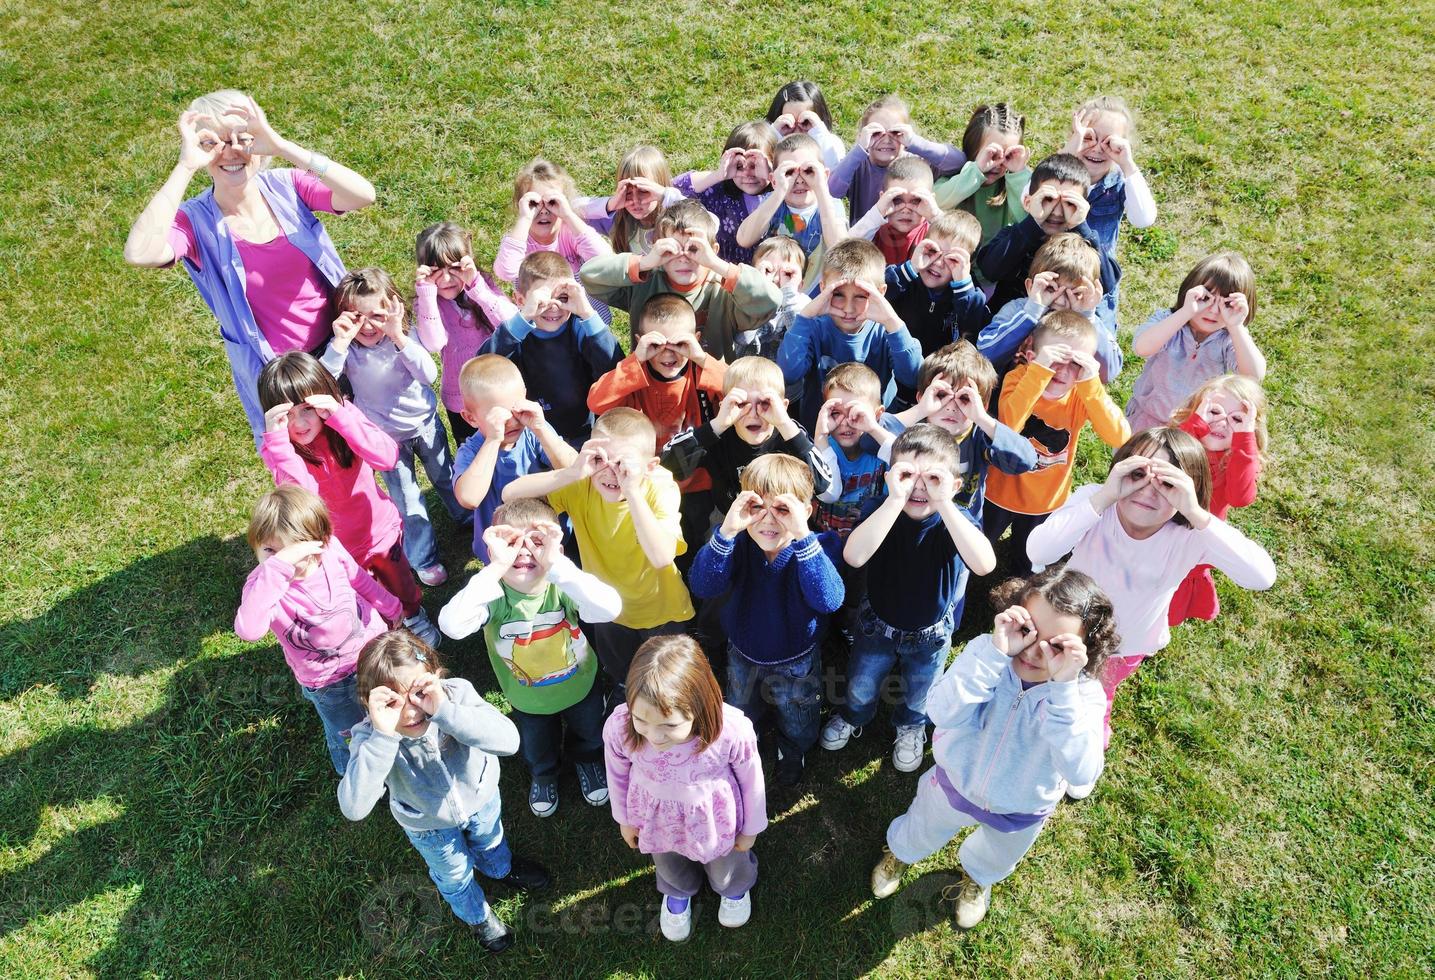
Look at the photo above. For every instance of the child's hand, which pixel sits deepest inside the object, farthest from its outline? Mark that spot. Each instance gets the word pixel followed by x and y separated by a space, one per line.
pixel 1082 136
pixel 573 299
pixel 561 206
pixel 384 707
pixel 785 124
pixel 649 344
pixel 1043 288
pixel 959 265
pixel 1084 296
pixel 1198 300
pixel 390 318
pixel 1090 368
pixel 346 327
pixel 1118 148
pixel 1233 311
pixel 277 418
pixel 822 302
pixel 1013 631
pixel 325 405
pixel 733 404
pixel 744 842
pixel 861 418
pixel 901 479
pixel 1050 355
pixel 528 414
pixel 809 120
pixel 630 835
pixel 700 250
pixel 829 417
pixel 536 300
pixel 1064 657
pixel 727 165
pixel 428 694
pixel 1126 477
pixel 926 252
pixel 783 176
pixel 974 407
pixel 502 542
pixel 529 204
pixel 816 176
pixel 662 251
pixel 297 552
pixel 867 134
pixel 942 484
pixel 991 159
pixel 1176 486
pixel 494 423
pixel 467 271
pixel 791 513
pixel 937 393
pixel 689 347
pixel 592 457
pixel 1016 158
pixel 1077 207
pixel 621 195
pixel 926 204
pixel 771 408
pixel 630 471
pixel 878 308
pixel 546 540
pixel 1244 418
pixel 744 512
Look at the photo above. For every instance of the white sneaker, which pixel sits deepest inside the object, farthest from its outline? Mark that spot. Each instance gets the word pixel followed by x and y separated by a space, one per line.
pixel 973 900
pixel 910 746
pixel 734 912
pixel 837 732
pixel 887 876
pixel 1079 792
pixel 433 575
pixel 677 926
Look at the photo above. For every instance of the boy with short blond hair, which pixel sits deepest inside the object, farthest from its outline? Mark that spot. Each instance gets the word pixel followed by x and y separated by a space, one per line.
pixel 852 409
pixel 625 514
pixel 513 438
pixel 899 219
pixel 1065 274
pixel 559 343
pixel 850 320
pixel 781 260
pixel 726 297
pixel 1048 400
pixel 751 421
pixel 782 584
pixel 800 206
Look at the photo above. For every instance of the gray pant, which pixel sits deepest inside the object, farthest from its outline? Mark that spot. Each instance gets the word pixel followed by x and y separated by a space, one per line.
pixel 730 875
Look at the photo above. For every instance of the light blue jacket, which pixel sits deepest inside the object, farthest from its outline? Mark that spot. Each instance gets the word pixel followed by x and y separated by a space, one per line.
pixel 1009 750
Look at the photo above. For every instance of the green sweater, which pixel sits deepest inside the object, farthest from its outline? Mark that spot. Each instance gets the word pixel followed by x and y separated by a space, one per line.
pixel 723 308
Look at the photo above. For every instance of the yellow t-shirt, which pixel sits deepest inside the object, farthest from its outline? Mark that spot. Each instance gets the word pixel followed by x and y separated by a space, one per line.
pixel 608 545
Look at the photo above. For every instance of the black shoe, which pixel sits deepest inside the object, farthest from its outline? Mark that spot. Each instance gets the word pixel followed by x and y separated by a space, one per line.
pixel 789 769
pixel 526 876
pixel 492 934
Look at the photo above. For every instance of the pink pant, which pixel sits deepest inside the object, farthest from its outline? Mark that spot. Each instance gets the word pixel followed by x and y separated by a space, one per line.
pixel 1117 669
pixel 392 570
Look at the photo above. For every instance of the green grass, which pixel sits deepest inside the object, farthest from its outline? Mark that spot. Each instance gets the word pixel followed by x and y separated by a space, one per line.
pixel 166 804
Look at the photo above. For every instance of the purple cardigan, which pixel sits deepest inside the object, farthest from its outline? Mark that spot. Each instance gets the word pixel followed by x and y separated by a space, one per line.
pixel 731 210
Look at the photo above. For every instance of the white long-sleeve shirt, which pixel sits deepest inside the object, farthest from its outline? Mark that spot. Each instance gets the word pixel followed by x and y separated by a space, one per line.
pixel 1140 577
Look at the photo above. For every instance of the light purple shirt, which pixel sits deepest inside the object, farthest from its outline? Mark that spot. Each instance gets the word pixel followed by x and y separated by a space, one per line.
pixel 1173 373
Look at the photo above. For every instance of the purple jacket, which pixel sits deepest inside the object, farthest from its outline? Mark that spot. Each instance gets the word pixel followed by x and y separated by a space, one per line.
pixel 220 277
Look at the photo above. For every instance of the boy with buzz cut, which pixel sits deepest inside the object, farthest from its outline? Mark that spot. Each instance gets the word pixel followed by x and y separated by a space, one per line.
pixel 1055 202
pixel 1048 400
pixel 751 421
pixel 917 546
pixel 625 514
pixel 933 292
pixel 513 439
pixel 782 582
pixel 528 601
pixel 900 218
pixel 727 298
pixel 561 346
pixel 850 320
pixel 1065 274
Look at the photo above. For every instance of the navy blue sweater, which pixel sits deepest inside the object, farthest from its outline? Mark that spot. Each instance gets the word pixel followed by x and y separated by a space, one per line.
pixel 916 574
pixel 776 611
pixel 559 368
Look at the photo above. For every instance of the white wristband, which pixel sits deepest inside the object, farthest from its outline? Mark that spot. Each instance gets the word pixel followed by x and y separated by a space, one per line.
pixel 318 164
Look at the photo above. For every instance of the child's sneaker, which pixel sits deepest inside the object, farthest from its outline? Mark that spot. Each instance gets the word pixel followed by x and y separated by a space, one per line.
pixel 734 912
pixel 526 876
pixel 676 919
pixel 1079 792
pixel 593 780
pixel 543 797
pixel 433 575
pixel 887 876
pixel 421 626
pixel 788 770
pixel 973 900
pixel 492 934
pixel 910 746
pixel 836 733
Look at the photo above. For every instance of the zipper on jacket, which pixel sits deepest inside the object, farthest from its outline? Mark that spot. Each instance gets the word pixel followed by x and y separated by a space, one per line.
pixel 987 781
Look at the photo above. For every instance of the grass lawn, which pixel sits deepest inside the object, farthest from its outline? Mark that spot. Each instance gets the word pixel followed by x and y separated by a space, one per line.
pixel 166 802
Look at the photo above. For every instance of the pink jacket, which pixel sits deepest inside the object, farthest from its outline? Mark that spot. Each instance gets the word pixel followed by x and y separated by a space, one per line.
pixel 443 325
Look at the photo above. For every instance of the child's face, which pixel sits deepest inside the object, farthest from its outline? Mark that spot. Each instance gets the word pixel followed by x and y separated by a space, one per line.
pixel 1096 157
pixel 795 110
pixel 1067 373
pixel 1221 406
pixel 752 172
pixel 801 194
pixel 546 221
pixel 1058 198
pixel 750 426
pixel 670 361
pixel 848 308
pixel 605 478
pixel 905 216
pixel 505 396
pixel 1208 321
pixel 305 425
pixel 938 272
pixel 370 311
pixel 661 730
pixel 447 280
pixel 1006 140
pixel 844 433
pixel 642 203
pixel 268 549
pixel 886 146
pixel 1146 510
pixel 769 531
pixel 551 316
pixel 528 570
pixel 923 501
pixel 683 269
pixel 780 270
pixel 951 417
pixel 1049 622
pixel 413 722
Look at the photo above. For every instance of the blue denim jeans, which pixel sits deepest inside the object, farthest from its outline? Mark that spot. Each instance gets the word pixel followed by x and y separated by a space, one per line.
pixel 918 655
pixel 453 854
pixel 339 709
pixel 792 689
pixel 541 740
pixel 431 448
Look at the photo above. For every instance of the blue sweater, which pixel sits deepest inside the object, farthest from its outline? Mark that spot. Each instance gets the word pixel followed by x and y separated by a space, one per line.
pixel 813 346
pixel 776 610
pixel 558 368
